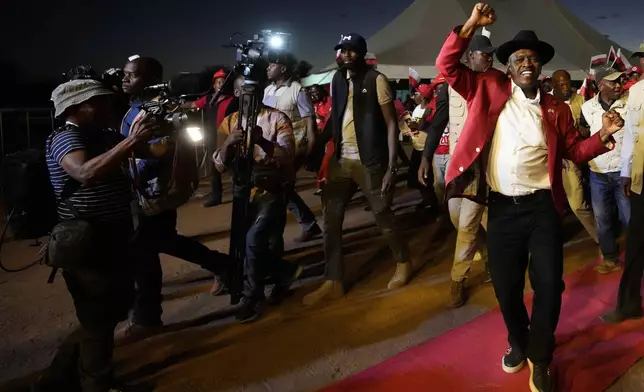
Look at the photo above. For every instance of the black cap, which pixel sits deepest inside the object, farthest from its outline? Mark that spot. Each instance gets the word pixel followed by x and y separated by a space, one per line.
pixel 352 41
pixel 482 44
pixel 610 74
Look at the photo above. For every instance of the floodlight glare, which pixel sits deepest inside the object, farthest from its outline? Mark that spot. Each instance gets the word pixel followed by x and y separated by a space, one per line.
pixel 276 42
pixel 195 134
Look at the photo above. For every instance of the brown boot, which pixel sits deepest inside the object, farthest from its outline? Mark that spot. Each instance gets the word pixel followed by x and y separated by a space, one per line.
pixel 331 289
pixel 401 276
pixel 457 295
pixel 607 267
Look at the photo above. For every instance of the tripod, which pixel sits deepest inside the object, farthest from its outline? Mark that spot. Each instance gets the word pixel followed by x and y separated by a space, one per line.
pixel 249 107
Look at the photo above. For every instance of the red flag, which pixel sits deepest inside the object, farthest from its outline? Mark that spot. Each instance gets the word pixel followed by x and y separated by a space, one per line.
pixel 597 61
pixel 585 90
pixel 414 78
pixel 621 62
pixel 611 57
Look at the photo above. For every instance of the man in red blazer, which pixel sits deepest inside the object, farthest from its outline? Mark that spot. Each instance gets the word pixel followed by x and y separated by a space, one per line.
pixel 510 155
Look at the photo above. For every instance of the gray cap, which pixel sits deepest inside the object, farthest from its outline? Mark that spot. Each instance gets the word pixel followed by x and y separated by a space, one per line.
pixel 76 92
pixel 610 74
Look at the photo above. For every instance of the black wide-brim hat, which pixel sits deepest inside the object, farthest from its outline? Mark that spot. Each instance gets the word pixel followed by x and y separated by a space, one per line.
pixel 525 39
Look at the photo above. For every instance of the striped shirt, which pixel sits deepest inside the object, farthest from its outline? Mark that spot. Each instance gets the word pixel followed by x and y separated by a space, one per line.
pixel 106 200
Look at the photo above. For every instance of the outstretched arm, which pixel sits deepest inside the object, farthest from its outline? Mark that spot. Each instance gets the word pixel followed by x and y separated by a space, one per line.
pixel 457 75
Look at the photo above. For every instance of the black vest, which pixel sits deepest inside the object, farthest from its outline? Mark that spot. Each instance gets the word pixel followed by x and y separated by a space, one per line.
pixel 370 125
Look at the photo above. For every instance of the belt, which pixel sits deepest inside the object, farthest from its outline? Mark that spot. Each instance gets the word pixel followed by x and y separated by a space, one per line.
pixel 529 198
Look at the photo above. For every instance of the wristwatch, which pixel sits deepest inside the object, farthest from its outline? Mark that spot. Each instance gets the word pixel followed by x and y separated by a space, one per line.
pixel 393 169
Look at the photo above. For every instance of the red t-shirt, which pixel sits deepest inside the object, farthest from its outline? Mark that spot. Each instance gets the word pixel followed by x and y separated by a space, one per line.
pixel 322 112
pixel 202 102
pixel 443 145
pixel 222 107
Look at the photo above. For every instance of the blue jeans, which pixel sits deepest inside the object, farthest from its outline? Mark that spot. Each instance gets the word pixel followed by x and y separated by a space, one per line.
pixel 265 243
pixel 608 198
pixel 440 169
pixel 303 214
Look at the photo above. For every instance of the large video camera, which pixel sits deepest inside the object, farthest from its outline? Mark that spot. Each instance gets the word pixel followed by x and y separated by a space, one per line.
pixel 167 108
pixel 111 78
pixel 256 50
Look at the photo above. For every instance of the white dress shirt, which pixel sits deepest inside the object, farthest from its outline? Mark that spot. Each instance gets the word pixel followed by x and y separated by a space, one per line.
pixel 518 161
pixel 633 126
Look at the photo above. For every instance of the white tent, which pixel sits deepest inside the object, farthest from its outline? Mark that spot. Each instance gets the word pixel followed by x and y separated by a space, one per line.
pixel 416 36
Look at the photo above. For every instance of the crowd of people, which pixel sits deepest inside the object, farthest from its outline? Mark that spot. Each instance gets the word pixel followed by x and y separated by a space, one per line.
pixel 501 151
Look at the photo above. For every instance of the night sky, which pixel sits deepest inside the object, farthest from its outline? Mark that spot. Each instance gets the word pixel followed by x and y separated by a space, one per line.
pixel 44 38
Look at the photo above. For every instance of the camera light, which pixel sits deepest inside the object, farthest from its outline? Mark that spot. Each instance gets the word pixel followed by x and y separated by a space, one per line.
pixel 276 42
pixel 195 134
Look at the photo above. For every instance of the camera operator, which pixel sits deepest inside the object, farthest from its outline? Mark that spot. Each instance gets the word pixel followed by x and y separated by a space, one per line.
pixel 272 174
pixel 285 93
pixel 87 157
pixel 158 233
pixel 214 114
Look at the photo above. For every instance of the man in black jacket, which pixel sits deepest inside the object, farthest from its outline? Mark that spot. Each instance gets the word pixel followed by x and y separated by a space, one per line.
pixel 365 130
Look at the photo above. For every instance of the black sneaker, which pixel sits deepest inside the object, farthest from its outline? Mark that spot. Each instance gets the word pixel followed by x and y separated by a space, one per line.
pixel 250 310
pixel 309 235
pixel 541 379
pixel 513 360
pixel 212 202
pixel 282 289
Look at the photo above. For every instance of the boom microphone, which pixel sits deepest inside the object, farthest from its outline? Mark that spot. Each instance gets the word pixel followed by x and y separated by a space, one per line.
pixel 186 83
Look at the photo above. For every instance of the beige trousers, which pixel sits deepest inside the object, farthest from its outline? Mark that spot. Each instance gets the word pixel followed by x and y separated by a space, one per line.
pixel 572 184
pixel 467 216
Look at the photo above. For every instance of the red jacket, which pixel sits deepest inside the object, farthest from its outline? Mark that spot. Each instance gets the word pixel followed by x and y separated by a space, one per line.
pixel 486 94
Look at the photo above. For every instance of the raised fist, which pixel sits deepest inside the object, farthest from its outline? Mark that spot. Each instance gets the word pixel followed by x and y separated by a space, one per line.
pixel 483 15
pixel 612 122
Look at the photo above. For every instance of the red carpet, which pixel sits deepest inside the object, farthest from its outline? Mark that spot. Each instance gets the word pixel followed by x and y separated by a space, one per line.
pixel 590 356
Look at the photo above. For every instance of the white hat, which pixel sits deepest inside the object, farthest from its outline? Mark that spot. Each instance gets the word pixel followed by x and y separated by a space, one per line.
pixel 76 92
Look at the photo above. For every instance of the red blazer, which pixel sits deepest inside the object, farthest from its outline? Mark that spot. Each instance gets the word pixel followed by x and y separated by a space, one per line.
pixel 486 94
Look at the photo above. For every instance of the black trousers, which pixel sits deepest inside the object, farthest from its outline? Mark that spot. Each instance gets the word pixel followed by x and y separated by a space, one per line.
pixel 264 245
pixel 103 293
pixel 216 185
pixel 517 228
pixel 158 234
pixel 427 192
pixel 629 300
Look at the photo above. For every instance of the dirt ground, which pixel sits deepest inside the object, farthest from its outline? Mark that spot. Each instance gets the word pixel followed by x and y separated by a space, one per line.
pixel 291 348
